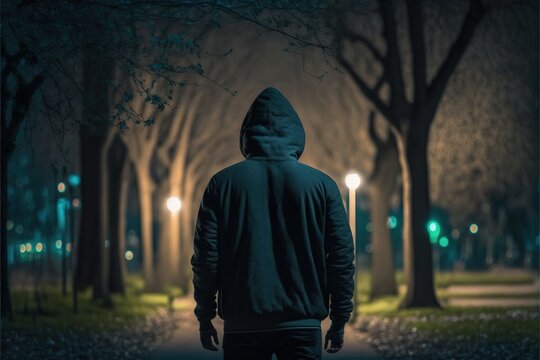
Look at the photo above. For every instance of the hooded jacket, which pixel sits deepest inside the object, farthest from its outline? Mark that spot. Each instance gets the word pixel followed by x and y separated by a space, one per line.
pixel 271 237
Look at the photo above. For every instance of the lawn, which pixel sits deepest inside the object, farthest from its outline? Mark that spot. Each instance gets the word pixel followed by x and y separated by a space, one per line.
pixel 492 324
pixel 57 310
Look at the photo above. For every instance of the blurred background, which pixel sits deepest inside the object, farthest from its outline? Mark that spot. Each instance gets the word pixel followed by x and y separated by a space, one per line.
pixel 116 114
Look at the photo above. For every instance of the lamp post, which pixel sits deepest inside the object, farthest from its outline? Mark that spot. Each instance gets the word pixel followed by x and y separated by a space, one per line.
pixel 353 181
pixel 174 205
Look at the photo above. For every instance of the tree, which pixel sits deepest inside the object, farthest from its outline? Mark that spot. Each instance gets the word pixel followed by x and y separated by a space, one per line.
pixel 42 59
pixel 410 122
pixel 382 182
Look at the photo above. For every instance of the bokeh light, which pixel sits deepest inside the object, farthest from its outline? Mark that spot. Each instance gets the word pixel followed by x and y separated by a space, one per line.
pixel 129 255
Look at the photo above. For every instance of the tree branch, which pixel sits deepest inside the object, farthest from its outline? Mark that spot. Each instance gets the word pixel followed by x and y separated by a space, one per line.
pixel 353 37
pixel 22 99
pixel 416 34
pixel 393 58
pixel 436 88
pixel 372 132
pixel 366 90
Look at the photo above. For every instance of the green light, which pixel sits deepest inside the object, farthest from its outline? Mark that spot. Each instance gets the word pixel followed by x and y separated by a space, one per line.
pixel 61 187
pixel 22 248
pixel 74 180
pixel 58 244
pixel 434 230
pixel 39 247
pixel 392 222
pixel 443 241
pixel 473 228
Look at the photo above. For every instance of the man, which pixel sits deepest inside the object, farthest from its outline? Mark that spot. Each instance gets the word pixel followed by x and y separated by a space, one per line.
pixel 272 240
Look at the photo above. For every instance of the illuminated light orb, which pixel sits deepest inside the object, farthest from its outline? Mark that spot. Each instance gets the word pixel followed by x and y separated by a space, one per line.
pixel 444 241
pixel 76 203
pixel 61 187
pixel 22 248
pixel 473 228
pixel 9 225
pixel 174 204
pixel 129 255
pixel 58 244
pixel 391 222
pixel 68 247
pixel 353 181
pixel 74 180
pixel 28 247
pixel 39 247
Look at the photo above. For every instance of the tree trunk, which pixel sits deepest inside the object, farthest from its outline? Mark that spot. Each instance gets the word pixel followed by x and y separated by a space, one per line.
pixel 104 239
pixel 7 311
pixel 383 280
pixel 117 180
pixel 88 255
pixel 164 273
pixel 416 244
pixel 122 214
pixel 145 189
pixel 186 249
pixel 382 184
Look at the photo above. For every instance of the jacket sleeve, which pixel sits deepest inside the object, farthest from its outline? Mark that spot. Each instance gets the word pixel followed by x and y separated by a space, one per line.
pixel 204 260
pixel 339 257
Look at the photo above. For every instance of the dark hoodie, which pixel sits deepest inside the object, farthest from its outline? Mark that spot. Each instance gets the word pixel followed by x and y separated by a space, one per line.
pixel 272 238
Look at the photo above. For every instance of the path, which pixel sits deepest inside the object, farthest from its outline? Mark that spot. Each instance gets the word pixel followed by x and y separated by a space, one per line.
pixel 184 343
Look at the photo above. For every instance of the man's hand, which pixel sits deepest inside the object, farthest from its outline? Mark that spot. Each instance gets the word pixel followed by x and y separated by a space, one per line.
pixel 334 335
pixel 207 333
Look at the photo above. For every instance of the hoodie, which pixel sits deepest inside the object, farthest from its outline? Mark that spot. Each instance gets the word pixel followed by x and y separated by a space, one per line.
pixel 272 239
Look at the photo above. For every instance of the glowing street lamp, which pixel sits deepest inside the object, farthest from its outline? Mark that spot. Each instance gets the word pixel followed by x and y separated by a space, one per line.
pixel 174 204
pixel 353 181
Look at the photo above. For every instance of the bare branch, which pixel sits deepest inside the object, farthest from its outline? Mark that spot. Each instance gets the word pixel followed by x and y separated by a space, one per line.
pixel 353 37
pixel 393 57
pixel 436 88
pixel 416 35
pixel 368 92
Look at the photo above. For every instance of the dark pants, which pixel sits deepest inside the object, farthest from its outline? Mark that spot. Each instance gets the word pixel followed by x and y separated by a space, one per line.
pixel 293 344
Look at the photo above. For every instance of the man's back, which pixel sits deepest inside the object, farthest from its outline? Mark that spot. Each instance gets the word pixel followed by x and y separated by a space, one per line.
pixel 272 236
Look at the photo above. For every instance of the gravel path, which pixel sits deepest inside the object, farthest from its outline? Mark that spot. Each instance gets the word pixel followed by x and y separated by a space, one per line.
pixel 399 338
pixel 130 342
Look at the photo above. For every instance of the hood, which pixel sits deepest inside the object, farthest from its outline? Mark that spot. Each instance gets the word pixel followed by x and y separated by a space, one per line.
pixel 271 128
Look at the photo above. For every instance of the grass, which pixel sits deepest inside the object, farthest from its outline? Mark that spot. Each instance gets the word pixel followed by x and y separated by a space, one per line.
pixel 57 310
pixel 469 322
pixel 445 279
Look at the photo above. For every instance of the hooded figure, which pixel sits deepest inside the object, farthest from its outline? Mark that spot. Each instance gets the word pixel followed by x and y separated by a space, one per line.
pixel 273 242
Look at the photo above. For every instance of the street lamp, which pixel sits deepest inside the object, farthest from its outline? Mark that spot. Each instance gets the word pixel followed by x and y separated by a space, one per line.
pixel 353 181
pixel 174 204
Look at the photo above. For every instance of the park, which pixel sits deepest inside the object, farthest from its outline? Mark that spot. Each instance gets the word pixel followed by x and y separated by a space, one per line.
pixel 116 114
